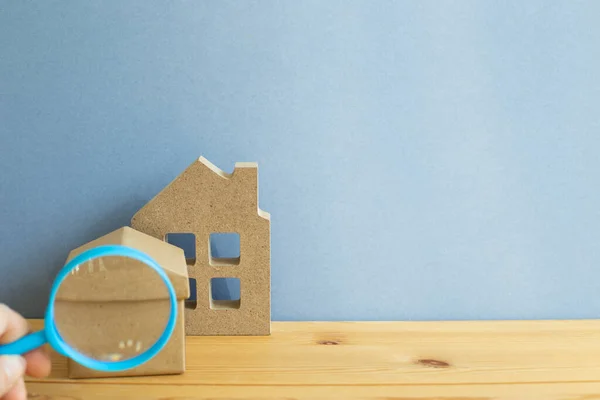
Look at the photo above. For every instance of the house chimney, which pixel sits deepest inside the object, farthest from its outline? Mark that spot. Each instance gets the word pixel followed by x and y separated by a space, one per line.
pixel 245 175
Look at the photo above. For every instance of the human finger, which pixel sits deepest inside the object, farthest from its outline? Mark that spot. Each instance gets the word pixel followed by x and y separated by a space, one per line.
pixel 12 325
pixel 38 363
pixel 12 369
pixel 18 392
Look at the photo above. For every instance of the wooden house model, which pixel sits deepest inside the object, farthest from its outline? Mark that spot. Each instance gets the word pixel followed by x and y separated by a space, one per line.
pixel 118 314
pixel 204 201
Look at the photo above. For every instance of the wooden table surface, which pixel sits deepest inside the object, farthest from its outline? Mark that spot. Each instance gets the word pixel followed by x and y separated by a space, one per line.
pixel 543 360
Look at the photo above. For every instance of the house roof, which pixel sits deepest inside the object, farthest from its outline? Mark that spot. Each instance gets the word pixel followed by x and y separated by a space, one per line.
pixel 202 191
pixel 169 257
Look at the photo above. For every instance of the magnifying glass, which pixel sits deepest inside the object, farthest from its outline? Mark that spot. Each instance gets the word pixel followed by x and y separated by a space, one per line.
pixel 112 308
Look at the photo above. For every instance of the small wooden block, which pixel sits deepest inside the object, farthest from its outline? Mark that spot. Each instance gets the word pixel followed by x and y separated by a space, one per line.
pixel 204 200
pixel 126 306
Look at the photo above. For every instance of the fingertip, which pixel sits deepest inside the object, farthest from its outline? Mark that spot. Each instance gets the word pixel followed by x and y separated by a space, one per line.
pixel 39 364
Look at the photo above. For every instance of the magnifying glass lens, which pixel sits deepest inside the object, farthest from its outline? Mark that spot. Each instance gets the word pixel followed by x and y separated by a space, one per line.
pixel 112 308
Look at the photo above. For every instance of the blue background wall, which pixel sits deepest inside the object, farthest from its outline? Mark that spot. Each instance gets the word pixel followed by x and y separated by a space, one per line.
pixel 421 160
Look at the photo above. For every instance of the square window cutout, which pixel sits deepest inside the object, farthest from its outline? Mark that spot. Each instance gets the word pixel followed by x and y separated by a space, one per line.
pixel 185 241
pixel 191 302
pixel 225 293
pixel 224 249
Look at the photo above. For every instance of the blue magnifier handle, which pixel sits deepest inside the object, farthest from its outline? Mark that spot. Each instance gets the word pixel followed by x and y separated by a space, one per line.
pixel 25 344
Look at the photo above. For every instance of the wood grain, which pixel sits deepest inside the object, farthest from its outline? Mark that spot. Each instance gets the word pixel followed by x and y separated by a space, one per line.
pixel 370 360
pixel 550 391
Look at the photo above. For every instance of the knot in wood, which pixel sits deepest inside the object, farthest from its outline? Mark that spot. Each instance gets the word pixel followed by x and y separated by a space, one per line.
pixel 433 363
pixel 329 342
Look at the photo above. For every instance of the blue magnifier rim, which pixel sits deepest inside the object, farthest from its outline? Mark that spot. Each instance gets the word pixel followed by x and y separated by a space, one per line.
pixel 56 341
